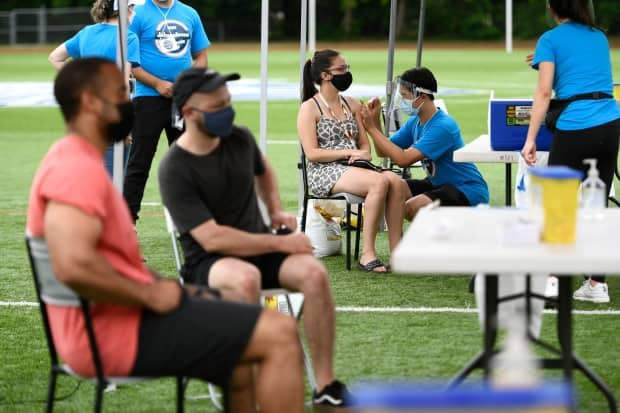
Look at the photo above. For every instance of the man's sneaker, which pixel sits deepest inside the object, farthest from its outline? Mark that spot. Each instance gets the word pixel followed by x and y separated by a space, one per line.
pixel 551 289
pixel 334 394
pixel 594 293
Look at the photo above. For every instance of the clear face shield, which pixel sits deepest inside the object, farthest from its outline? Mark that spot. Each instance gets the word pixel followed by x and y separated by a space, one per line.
pixel 405 93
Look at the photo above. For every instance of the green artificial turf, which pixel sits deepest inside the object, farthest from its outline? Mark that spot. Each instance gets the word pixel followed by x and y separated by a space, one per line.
pixel 413 346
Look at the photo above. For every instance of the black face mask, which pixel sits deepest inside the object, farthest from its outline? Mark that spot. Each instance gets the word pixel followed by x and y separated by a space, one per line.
pixel 343 81
pixel 118 131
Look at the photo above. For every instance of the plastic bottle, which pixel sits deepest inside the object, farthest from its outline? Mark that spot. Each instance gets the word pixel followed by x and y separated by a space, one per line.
pixel 516 366
pixel 593 193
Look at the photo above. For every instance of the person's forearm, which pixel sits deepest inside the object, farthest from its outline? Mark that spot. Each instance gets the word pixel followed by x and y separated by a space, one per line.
pixel 93 278
pixel 145 77
pixel 200 60
pixel 384 146
pixel 327 155
pixel 230 241
pixel 267 189
pixel 540 106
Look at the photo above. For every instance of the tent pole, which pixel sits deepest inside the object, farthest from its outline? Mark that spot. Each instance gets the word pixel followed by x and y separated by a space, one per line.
pixel 508 26
pixel 312 25
pixel 421 19
pixel 121 61
pixel 264 65
pixel 390 69
pixel 303 49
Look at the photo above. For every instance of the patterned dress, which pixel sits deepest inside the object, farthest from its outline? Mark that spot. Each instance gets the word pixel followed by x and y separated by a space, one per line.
pixel 331 134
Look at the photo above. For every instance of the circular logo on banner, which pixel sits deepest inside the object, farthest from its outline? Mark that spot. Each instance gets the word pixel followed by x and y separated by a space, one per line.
pixel 172 38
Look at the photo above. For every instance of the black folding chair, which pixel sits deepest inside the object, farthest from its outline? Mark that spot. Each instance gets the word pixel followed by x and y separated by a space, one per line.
pixel 51 291
pixel 350 199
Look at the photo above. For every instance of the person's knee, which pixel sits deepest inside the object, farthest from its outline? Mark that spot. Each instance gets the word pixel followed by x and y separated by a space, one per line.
pixel 413 205
pixel 382 183
pixel 315 280
pixel 281 332
pixel 248 284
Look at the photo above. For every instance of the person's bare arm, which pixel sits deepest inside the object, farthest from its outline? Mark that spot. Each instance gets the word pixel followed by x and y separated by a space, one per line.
pixel 163 87
pixel 363 143
pixel 230 241
pixel 267 190
pixel 72 237
pixel 540 105
pixel 58 57
pixel 385 147
pixel 200 59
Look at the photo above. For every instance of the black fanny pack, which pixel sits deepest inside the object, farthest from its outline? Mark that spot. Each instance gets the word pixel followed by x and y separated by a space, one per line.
pixel 557 106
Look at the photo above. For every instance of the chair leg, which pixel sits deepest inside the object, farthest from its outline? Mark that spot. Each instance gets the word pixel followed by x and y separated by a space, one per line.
pixel 348 251
pixel 217 398
pixel 180 394
pixel 304 215
pixel 51 391
pixel 307 360
pixel 360 222
pixel 99 388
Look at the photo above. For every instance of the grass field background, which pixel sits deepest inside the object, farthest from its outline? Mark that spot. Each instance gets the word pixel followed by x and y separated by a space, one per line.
pixel 415 346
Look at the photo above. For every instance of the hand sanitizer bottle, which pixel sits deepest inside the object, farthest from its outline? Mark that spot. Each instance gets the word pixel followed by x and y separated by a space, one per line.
pixel 593 193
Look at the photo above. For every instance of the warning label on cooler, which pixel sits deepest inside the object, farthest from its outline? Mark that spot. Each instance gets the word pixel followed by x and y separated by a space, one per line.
pixel 518 115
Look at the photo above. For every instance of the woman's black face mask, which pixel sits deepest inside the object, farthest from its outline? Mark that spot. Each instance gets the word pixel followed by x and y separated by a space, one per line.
pixel 343 81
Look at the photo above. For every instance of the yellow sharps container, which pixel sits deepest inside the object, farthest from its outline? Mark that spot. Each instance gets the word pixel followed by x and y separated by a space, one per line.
pixel 555 189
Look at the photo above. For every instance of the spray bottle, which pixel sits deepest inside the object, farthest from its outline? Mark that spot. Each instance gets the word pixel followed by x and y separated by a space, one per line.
pixel 593 193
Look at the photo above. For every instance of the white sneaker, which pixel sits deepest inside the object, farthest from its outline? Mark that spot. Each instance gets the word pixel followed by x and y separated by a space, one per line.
pixel 551 289
pixel 593 293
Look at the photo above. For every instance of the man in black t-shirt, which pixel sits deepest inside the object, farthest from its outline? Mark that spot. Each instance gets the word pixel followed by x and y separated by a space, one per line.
pixel 209 181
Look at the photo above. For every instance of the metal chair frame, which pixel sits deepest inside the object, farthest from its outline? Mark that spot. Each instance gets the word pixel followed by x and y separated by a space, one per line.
pixel 350 199
pixel 51 291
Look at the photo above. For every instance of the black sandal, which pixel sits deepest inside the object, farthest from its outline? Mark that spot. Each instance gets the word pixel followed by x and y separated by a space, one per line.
pixel 371 265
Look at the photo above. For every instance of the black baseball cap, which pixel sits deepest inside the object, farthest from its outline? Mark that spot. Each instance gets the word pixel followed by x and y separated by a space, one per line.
pixel 195 80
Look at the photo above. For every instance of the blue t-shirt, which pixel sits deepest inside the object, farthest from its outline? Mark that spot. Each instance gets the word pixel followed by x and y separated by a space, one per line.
pixel 99 40
pixel 582 64
pixel 437 140
pixel 169 36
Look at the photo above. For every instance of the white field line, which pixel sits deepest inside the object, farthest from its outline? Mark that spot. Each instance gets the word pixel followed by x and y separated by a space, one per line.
pixel 451 310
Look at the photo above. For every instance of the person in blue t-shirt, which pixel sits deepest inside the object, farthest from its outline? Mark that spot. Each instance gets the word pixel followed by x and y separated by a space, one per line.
pixel 172 39
pixel 100 40
pixel 431 136
pixel 572 59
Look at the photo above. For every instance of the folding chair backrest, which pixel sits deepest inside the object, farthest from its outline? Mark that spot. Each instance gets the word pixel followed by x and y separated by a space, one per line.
pixel 51 290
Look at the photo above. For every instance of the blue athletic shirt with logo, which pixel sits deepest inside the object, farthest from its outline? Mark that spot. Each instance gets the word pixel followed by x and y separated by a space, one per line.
pixel 99 40
pixel 582 62
pixel 169 36
pixel 437 139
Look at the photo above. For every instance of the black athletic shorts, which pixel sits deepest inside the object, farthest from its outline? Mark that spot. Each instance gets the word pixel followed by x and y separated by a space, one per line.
pixel 203 338
pixel 268 265
pixel 447 194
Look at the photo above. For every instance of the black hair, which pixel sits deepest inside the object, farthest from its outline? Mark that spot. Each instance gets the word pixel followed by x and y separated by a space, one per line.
pixel 74 78
pixel 320 62
pixel 578 11
pixel 421 77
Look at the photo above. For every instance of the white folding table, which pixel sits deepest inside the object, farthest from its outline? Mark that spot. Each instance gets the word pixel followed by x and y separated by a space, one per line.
pixel 453 240
pixel 479 150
